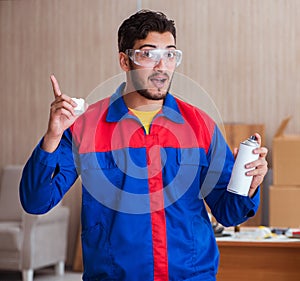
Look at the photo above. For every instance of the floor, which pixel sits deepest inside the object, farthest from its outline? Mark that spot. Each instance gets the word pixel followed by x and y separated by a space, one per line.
pixel 41 275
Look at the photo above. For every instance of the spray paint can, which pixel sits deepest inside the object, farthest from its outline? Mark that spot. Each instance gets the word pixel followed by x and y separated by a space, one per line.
pixel 239 182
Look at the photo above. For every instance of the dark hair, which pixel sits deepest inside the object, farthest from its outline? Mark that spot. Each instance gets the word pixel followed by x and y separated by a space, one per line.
pixel 140 24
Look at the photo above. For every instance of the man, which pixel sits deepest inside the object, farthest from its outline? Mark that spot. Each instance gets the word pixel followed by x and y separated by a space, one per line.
pixel 147 161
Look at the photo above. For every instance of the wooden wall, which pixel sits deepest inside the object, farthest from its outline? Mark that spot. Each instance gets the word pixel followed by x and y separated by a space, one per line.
pixel 244 53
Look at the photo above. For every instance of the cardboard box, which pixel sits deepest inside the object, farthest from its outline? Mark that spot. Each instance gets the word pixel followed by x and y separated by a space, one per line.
pixel 284 207
pixel 235 133
pixel 286 157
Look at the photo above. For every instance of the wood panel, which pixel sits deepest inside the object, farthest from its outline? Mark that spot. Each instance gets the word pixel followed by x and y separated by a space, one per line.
pixel 245 54
pixel 74 39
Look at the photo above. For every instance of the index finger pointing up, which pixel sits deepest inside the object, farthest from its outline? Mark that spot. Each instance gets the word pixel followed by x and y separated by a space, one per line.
pixel 55 86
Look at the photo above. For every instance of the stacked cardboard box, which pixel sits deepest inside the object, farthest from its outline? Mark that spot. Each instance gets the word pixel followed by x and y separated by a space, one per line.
pixel 284 207
pixel 235 133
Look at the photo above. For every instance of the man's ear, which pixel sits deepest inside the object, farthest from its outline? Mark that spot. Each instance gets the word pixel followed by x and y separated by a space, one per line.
pixel 124 61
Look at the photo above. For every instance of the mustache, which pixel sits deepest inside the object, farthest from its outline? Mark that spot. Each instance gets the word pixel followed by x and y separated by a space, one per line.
pixel 159 75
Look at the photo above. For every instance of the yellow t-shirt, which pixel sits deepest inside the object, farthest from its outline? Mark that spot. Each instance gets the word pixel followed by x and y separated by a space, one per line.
pixel 145 117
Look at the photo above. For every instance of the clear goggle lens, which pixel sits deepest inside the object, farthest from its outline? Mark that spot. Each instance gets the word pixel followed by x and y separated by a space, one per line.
pixel 151 57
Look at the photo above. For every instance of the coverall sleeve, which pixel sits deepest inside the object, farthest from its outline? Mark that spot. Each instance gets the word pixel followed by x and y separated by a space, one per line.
pixel 47 176
pixel 228 208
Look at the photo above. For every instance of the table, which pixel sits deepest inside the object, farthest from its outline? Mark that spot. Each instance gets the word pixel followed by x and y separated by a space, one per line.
pixel 259 260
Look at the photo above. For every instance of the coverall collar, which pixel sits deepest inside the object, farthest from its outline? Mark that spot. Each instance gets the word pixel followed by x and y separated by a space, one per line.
pixel 118 110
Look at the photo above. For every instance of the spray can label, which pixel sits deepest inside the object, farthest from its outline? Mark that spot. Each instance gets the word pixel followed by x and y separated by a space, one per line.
pixel 239 182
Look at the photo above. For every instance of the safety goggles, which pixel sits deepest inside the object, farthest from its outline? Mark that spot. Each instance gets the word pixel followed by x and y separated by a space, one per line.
pixel 151 57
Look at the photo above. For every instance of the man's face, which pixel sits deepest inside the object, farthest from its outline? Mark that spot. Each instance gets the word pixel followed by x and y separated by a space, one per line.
pixel 153 82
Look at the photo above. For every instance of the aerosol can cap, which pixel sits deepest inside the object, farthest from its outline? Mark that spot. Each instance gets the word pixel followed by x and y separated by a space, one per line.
pixel 251 141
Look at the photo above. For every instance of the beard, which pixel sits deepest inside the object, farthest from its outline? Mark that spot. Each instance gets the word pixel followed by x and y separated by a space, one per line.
pixel 148 95
pixel 155 92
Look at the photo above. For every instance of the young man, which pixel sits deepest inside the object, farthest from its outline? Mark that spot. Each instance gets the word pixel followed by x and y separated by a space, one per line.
pixel 147 161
